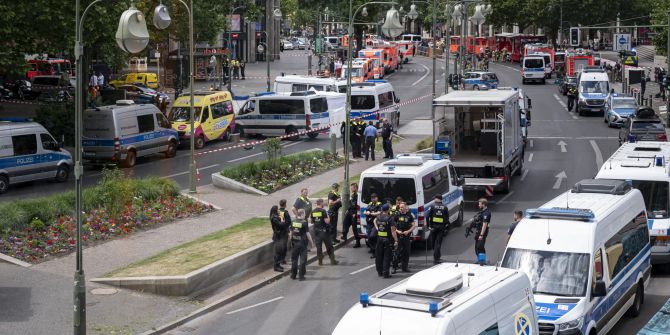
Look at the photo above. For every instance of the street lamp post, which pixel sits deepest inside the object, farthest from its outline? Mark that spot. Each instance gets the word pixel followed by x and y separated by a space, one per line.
pixel 266 49
pixel 230 32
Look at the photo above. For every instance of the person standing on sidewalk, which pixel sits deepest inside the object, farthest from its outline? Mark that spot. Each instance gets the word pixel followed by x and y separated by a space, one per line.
pixel 243 64
pixel 387 142
pixel 360 129
pixel 483 222
pixel 225 66
pixel 370 134
pixel 438 219
pixel 279 226
pixel 334 204
pixel 302 202
pixel 385 230
pixel 405 225
pixel 299 236
pixel 643 85
pixel 350 216
pixel 321 224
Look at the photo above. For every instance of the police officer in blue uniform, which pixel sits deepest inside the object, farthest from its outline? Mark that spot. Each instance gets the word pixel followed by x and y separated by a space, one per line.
pixel 483 221
pixel 299 236
pixel 387 239
pixel 405 225
pixel 321 223
pixel 438 220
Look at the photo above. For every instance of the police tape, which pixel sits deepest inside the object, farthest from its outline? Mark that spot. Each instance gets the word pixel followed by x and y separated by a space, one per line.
pixel 318 129
pixel 24 102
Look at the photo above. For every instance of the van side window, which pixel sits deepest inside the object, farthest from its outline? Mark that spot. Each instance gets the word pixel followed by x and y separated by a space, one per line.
pixel 163 121
pixel 24 144
pixel 282 106
pixel 434 183
pixel 318 105
pixel 454 175
pixel 299 87
pixel 218 110
pixel 385 99
pixel 48 142
pixel 491 330
pixel 316 87
pixel 205 114
pixel 145 123
pixel 626 244
pixel 597 269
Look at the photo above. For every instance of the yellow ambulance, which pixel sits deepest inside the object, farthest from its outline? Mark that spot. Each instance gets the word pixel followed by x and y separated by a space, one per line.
pixel 214 116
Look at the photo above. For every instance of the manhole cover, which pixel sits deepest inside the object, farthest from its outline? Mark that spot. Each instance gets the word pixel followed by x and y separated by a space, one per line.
pixel 104 291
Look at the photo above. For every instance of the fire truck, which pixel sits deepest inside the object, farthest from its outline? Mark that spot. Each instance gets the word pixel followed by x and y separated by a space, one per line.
pixel 577 60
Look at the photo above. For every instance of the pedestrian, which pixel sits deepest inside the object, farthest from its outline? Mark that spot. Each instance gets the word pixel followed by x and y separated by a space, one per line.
pixel 243 65
pixel 405 225
pixel 279 228
pixel 438 221
pixel 383 252
pixel 371 213
pixel 350 217
pixel 236 69
pixel 338 68
pixel 331 67
pixel 101 80
pixel 225 67
pixel 387 131
pixel 299 236
pixel 370 134
pixel 643 85
pixel 302 202
pixel 572 96
pixel 93 96
pixel 93 81
pixel 395 209
pixel 321 223
pixel 482 227
pixel 516 217
pixel 334 204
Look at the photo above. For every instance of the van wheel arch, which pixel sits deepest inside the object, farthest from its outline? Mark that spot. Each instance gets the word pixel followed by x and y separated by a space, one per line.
pixel 638 300
pixel 131 158
pixel 4 183
pixel 62 173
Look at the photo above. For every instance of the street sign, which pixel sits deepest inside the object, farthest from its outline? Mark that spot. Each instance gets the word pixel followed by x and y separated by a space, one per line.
pixel 622 42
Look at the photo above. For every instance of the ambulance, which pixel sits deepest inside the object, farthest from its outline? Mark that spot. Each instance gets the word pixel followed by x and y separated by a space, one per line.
pixel 361 70
pixel 377 62
pixel 407 50
pixel 214 116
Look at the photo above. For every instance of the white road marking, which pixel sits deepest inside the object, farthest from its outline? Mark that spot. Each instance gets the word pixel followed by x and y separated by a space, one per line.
pixel 573 138
pixel 559 179
pixel 556 97
pixel 525 173
pixel 363 269
pixel 530 157
pixel 575 117
pixel 424 75
pixel 253 306
pixel 562 145
pixel 532 143
pixel 599 155
pixel 505 197
pixel 187 172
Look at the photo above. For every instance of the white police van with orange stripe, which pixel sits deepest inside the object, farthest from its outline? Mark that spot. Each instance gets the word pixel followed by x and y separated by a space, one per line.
pixel 447 299
pixel 28 152
pixel 587 255
pixel 417 179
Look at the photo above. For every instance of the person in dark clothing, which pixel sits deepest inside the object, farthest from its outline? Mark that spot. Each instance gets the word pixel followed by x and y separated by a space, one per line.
pixel 643 85
pixel 518 215
pixel 350 217
pixel 482 229
pixel 334 204
pixel 438 221
pixel 405 225
pixel 225 68
pixel 371 213
pixel 387 239
pixel 321 223
pixel 280 225
pixel 387 142
pixel 331 67
pixel 572 96
pixel 243 64
pixel 360 138
pixel 299 236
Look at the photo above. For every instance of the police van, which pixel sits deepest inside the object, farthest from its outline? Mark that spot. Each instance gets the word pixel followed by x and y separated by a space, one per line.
pixel 646 165
pixel 123 132
pixel 447 299
pixel 533 68
pixel 276 114
pixel 417 178
pixel 587 255
pixel 297 83
pixel 28 152
pixel 374 100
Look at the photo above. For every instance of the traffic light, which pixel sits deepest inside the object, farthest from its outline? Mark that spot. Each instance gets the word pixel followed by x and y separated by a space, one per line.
pixel 575 35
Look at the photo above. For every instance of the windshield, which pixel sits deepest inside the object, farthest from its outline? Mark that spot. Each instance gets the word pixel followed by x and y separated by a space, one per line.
pixel 547 59
pixel 647 125
pixel 655 194
pixel 363 102
pixel 559 58
pixel 181 114
pixel 594 87
pixel 551 273
pixel 387 189
pixel 355 72
pixel 623 103
pixel 533 63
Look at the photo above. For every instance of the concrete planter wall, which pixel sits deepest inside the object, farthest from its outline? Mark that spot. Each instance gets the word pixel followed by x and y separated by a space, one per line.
pixel 199 281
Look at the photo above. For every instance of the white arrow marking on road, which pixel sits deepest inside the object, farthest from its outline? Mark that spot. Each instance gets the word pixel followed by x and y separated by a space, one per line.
pixel 424 76
pixel 559 179
pixel 599 155
pixel 525 173
pixel 530 157
pixel 563 144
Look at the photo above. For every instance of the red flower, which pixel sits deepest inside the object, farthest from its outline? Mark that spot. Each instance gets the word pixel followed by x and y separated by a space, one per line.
pixel 50 242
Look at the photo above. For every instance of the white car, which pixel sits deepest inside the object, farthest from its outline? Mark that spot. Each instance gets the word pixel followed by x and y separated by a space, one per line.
pixel 287 45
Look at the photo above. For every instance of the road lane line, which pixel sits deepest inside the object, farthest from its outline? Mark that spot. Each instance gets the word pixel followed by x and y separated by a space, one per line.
pixel 253 306
pixel 422 77
pixel 530 157
pixel 505 197
pixel 187 172
pixel 525 173
pixel 363 269
pixel 532 143
pixel 599 155
pixel 574 117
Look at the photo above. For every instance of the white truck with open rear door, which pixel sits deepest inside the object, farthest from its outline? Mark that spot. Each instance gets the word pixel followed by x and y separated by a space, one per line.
pixel 482 134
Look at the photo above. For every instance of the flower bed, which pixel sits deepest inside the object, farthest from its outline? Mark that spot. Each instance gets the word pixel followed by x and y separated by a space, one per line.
pixel 269 176
pixel 51 229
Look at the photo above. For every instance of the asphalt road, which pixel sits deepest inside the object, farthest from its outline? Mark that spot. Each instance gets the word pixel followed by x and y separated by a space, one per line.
pixel 316 305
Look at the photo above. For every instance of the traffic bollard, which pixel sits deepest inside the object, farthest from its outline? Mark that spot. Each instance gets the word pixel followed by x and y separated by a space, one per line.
pixel 333 144
pixel 309 65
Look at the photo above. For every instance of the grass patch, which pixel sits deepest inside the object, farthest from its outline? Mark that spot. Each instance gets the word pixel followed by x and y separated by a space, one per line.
pixel 201 252
pixel 426 143
pixel 324 192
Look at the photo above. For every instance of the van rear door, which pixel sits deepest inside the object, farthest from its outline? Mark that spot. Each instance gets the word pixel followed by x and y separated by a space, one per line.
pixel 99 135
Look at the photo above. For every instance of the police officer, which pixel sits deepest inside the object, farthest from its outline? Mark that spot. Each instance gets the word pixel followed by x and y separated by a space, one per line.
pixel 302 202
pixel 483 221
pixel 395 209
pixel 280 220
pixel 360 129
pixel 334 204
pixel 438 220
pixel 371 213
pixel 572 96
pixel 350 217
pixel 299 236
pixel 405 225
pixel 386 241
pixel 321 223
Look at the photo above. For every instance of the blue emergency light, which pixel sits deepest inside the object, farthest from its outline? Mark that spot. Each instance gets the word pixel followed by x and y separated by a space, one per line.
pixel 241 97
pixel 561 213
pixel 16 119
pixel 433 308
pixel 659 161
pixel 481 258
pixel 437 157
pixel 376 81
pixel 260 94
pixel 364 299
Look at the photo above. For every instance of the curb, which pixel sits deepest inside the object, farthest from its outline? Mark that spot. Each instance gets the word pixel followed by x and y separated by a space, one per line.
pixel 12 260
pixel 224 301
pixel 187 194
pixel 229 184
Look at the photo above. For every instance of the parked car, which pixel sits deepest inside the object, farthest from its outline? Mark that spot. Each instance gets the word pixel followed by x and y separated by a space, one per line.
pixel 299 44
pixel 618 108
pixel 19 89
pixel 141 94
pixel 565 82
pixel 480 80
pixel 644 125
pixel 53 88
pixel 287 45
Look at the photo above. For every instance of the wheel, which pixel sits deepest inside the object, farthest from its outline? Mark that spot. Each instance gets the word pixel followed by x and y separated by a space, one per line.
pixel 226 135
pixel 459 220
pixel 62 173
pixel 171 150
pixel 636 307
pixel 476 87
pixel 4 184
pixel 131 157
pixel 507 183
pixel 544 81
pixel 605 120
pixel 199 142
pixel 313 134
pixel 292 130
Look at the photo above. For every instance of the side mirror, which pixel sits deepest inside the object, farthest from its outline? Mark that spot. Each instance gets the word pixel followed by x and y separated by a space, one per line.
pixel 461 181
pixel 599 290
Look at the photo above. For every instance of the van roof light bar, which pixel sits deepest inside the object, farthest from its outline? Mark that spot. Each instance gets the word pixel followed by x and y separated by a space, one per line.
pixel 602 186
pixel 560 213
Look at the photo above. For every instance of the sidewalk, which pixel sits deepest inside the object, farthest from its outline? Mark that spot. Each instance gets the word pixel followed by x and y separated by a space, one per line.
pixel 38 300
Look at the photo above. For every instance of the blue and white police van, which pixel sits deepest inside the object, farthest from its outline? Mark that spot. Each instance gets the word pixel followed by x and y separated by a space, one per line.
pixel 646 165
pixel 479 80
pixel 123 132
pixel 618 108
pixel 533 68
pixel 417 178
pixel 375 100
pixel 593 90
pixel 28 152
pixel 587 255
